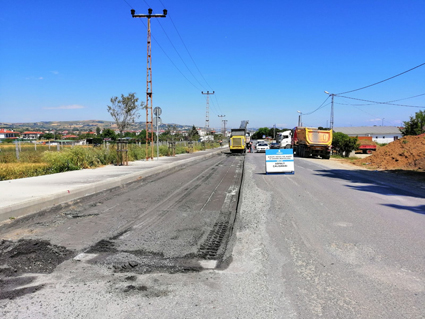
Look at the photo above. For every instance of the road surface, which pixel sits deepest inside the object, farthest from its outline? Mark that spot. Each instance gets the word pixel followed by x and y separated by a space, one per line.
pixel 329 241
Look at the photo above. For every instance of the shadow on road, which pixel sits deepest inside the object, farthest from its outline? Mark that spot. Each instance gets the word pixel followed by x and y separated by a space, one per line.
pixel 380 182
pixel 420 209
pixel 384 183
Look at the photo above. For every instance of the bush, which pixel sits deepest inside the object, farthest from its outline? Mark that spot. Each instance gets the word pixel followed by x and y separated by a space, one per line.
pixel 22 170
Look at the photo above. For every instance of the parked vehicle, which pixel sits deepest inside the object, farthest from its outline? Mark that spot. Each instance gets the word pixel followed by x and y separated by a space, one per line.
pixel 262 147
pixel 284 139
pixel 367 146
pixel 308 142
pixel 274 146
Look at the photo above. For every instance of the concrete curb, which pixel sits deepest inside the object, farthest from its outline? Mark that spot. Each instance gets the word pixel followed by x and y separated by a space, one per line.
pixel 38 204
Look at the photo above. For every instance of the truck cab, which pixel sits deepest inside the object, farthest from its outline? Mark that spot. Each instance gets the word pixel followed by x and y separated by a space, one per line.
pixel 284 139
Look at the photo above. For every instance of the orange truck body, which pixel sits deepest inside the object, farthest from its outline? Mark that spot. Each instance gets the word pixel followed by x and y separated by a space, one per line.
pixel 308 142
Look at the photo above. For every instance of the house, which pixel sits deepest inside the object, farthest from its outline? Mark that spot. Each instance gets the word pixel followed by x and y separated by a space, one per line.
pixel 6 134
pixel 31 135
pixel 379 134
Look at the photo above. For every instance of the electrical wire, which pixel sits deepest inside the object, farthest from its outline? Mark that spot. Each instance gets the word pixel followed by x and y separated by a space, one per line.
pixel 179 54
pixel 406 98
pixel 191 57
pixel 387 103
pixel 382 80
pixel 357 108
pixel 214 108
pixel 321 106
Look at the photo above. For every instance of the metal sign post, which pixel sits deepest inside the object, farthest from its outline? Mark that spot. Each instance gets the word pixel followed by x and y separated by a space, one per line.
pixel 157 121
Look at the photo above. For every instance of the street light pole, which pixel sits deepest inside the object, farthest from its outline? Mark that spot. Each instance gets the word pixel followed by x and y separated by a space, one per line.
pixel 299 119
pixel 332 109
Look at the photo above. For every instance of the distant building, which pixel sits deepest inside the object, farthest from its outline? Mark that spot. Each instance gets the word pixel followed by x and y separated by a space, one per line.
pixel 379 134
pixel 6 134
pixel 31 135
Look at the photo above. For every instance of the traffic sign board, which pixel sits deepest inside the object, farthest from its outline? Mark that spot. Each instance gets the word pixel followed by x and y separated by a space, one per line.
pixel 157 111
pixel 280 161
pixel 157 121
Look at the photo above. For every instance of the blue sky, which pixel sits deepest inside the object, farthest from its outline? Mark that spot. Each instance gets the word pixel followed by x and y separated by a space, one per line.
pixel 64 60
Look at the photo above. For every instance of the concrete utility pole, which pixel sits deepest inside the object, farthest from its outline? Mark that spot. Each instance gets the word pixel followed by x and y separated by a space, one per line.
pixel 332 109
pixel 224 129
pixel 222 126
pixel 207 116
pixel 148 106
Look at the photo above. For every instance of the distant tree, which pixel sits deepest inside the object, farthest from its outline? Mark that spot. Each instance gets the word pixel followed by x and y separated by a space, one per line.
pixel 109 133
pixel 47 136
pixel 130 134
pixel 98 131
pixel 344 144
pixel 193 134
pixel 124 110
pixel 142 136
pixel 260 132
pixel 415 126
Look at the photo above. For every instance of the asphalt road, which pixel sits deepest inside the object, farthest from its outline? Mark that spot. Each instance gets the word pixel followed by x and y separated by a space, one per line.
pixel 330 241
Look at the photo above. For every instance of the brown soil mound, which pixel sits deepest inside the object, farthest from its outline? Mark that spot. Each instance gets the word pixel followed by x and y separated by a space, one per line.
pixel 405 153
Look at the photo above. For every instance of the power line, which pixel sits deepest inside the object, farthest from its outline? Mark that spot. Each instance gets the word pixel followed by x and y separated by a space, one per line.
pixel 387 103
pixel 354 105
pixel 382 80
pixel 406 98
pixel 193 60
pixel 179 54
pixel 321 105
pixel 199 89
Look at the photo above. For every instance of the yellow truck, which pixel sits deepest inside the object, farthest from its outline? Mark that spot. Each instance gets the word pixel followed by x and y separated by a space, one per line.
pixel 238 139
pixel 308 142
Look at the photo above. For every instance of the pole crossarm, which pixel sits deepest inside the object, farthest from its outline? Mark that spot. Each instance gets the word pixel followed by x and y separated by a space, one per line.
pixel 149 15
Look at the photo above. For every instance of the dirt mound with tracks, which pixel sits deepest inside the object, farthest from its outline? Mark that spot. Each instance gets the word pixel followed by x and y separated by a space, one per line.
pixel 407 153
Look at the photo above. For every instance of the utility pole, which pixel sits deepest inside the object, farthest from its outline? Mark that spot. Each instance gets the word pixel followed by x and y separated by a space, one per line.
pixel 222 126
pixel 332 109
pixel 207 116
pixel 148 106
pixel 224 129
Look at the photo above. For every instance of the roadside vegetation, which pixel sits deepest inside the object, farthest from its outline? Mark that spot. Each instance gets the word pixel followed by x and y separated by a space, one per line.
pixel 42 161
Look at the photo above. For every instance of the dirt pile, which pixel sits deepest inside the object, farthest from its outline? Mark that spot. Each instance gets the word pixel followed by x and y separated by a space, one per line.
pixel 407 153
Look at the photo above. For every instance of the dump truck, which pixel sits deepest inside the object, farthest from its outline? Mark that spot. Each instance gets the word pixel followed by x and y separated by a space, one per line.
pixel 366 145
pixel 308 142
pixel 238 138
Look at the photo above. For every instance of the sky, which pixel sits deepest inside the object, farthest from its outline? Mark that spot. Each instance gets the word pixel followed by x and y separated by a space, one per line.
pixel 265 61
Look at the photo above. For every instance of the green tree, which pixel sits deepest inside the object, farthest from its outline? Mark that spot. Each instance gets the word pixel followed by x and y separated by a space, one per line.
pixel 47 136
pixel 109 133
pixel 260 132
pixel 344 144
pixel 98 131
pixel 124 110
pixel 193 134
pixel 415 126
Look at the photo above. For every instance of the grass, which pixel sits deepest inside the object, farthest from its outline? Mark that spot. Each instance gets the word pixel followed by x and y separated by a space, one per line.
pixel 42 161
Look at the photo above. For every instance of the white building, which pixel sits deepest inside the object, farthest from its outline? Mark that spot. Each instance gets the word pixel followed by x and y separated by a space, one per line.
pixel 380 134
